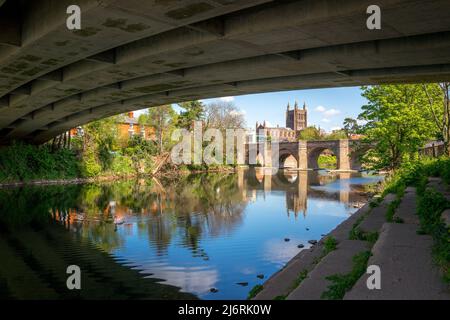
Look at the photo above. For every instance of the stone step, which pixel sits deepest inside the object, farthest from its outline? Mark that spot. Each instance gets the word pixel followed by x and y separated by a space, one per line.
pixel 407 270
pixel 280 284
pixel 338 261
pixel 377 216
pixel 406 211
pixel 341 232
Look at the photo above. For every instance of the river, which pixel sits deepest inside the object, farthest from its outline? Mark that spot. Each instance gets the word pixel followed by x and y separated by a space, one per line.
pixel 212 236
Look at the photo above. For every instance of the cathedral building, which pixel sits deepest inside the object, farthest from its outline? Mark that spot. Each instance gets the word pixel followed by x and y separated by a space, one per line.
pixel 296 121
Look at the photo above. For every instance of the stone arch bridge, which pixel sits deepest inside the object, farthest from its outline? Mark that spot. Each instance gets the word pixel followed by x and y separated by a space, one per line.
pixel 306 153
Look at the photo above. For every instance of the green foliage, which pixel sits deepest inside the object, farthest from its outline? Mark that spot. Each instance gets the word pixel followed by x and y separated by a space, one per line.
pixel 351 126
pixel 310 133
pixel 164 120
pixel 329 245
pixel 22 162
pixel 302 276
pixel 396 122
pixel 342 283
pixel 415 173
pixel 327 161
pixel 392 207
pixel 431 204
pixel 356 233
pixel 254 291
pixel 336 135
pixel 193 111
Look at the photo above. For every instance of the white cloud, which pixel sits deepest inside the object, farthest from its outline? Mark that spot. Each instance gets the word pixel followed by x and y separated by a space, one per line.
pixel 336 128
pixel 227 99
pixel 320 109
pixel 331 112
pixel 327 112
pixel 326 120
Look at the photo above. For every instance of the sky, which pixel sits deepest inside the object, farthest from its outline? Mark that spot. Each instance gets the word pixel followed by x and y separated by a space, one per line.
pixel 327 108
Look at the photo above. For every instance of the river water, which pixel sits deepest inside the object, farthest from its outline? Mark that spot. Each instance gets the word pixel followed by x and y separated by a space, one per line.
pixel 214 236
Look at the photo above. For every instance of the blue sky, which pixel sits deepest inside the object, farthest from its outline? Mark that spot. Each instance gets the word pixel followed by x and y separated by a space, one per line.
pixel 327 108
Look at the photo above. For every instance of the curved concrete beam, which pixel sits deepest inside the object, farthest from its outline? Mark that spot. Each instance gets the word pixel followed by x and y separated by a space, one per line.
pixel 245 30
pixel 157 52
pixel 368 55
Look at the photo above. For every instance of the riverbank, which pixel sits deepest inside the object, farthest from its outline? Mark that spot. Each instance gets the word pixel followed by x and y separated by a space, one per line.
pixel 106 178
pixel 405 224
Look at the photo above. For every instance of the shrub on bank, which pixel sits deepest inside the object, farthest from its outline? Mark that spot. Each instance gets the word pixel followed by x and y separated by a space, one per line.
pixel 430 203
pixel 22 162
pixel 415 173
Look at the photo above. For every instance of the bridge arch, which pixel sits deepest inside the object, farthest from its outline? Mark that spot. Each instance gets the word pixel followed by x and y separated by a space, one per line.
pixel 314 154
pixel 287 159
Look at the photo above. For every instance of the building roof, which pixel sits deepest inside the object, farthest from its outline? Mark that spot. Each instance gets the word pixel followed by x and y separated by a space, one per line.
pixel 128 120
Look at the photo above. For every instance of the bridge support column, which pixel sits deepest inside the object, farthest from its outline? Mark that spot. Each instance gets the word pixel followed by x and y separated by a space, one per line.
pixel 344 155
pixel 302 155
pixel 267 154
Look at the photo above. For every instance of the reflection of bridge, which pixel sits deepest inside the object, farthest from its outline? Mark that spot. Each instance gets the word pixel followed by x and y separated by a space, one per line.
pixel 296 185
pixel 306 153
pixel 134 54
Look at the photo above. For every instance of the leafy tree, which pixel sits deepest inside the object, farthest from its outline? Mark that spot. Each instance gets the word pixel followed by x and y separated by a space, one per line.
pixel 336 135
pixel 193 111
pixel 100 141
pixel 351 126
pixel 439 106
pixel 310 133
pixel 163 119
pixel 397 123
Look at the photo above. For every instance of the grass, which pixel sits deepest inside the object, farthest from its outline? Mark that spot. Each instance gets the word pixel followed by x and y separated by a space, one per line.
pixel 340 284
pixel 329 245
pixel 430 206
pixel 356 233
pixel 254 291
pixel 430 203
pixel 392 207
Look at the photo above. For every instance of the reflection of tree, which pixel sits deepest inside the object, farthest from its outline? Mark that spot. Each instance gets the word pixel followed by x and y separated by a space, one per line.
pixel 188 210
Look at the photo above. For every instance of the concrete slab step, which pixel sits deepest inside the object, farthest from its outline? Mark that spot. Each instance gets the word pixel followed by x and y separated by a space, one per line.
pixel 281 283
pixel 377 216
pixel 336 262
pixel 341 232
pixel 407 270
pixel 406 211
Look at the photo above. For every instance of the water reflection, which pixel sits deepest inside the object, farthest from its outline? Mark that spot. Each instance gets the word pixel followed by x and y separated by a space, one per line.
pixel 200 232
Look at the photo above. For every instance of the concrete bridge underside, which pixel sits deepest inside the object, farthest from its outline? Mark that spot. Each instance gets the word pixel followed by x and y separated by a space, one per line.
pixel 134 54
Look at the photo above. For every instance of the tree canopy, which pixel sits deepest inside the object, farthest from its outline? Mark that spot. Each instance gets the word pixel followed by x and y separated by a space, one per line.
pixel 396 122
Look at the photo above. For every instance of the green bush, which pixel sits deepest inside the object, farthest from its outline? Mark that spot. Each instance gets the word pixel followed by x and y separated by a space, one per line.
pixel 90 165
pixel 122 165
pixel 431 204
pixel 22 162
